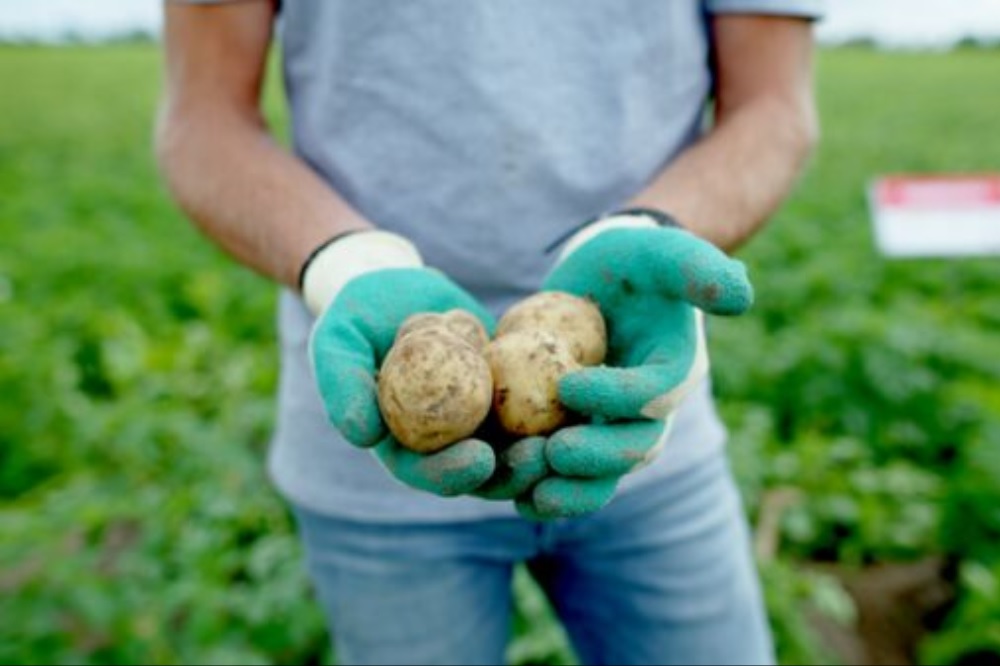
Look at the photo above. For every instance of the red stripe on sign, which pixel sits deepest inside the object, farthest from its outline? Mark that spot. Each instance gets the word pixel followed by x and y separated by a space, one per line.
pixel 938 191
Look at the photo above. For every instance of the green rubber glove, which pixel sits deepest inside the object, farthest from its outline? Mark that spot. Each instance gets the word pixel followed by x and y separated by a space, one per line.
pixel 652 282
pixel 363 287
pixel 519 467
pixel 520 463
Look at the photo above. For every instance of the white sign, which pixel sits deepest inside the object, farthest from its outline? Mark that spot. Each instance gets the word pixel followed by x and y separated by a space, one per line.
pixel 936 215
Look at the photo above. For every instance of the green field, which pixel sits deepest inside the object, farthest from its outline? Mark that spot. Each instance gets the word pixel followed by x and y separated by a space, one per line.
pixel 137 365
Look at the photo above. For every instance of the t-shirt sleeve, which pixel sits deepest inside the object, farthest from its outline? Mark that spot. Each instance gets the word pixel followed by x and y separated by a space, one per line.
pixel 812 9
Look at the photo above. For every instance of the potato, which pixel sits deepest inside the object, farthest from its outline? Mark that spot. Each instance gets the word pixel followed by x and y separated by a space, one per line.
pixel 434 389
pixel 526 367
pixel 576 321
pixel 462 323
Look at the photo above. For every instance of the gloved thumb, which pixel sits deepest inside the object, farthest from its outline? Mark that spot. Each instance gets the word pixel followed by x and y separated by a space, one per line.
pixel 343 363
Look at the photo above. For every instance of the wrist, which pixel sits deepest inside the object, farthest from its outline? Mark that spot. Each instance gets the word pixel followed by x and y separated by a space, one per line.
pixel 661 217
pixel 628 218
pixel 346 256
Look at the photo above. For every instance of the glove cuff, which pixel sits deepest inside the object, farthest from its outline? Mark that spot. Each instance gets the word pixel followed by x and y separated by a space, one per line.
pixel 629 218
pixel 347 256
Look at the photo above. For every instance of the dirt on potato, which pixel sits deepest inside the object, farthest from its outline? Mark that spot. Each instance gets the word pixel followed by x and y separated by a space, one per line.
pixel 434 389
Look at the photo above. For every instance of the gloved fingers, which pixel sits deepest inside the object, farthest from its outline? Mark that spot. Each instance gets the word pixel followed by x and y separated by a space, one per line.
pixel 457 470
pixel 343 363
pixel 649 390
pixel 519 467
pixel 670 262
pixel 693 270
pixel 561 497
pixel 596 451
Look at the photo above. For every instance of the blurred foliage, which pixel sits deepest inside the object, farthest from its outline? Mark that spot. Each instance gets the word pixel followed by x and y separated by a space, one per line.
pixel 137 365
pixel 972 633
pixel 872 386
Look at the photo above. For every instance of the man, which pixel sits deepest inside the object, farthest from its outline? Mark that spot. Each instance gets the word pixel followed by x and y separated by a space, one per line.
pixel 448 155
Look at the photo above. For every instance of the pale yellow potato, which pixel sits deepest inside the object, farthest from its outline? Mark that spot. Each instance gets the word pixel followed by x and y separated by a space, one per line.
pixel 468 327
pixel 418 322
pixel 434 389
pixel 576 321
pixel 526 367
pixel 462 323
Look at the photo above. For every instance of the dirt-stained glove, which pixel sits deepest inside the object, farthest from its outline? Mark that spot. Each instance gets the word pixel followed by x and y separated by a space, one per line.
pixel 361 287
pixel 520 465
pixel 651 280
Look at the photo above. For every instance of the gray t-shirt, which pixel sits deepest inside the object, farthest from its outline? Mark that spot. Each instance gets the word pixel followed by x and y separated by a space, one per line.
pixel 482 130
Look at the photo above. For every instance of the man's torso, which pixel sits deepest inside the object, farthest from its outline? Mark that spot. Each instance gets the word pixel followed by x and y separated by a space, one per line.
pixel 482 131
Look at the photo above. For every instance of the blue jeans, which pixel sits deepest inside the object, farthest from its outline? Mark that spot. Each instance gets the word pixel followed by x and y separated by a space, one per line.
pixel 662 575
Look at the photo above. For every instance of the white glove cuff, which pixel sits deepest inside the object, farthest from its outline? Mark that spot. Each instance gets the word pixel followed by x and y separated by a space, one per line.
pixel 350 256
pixel 627 221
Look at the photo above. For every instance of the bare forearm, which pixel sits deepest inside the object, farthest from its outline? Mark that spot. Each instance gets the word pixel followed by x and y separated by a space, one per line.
pixel 726 187
pixel 258 202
